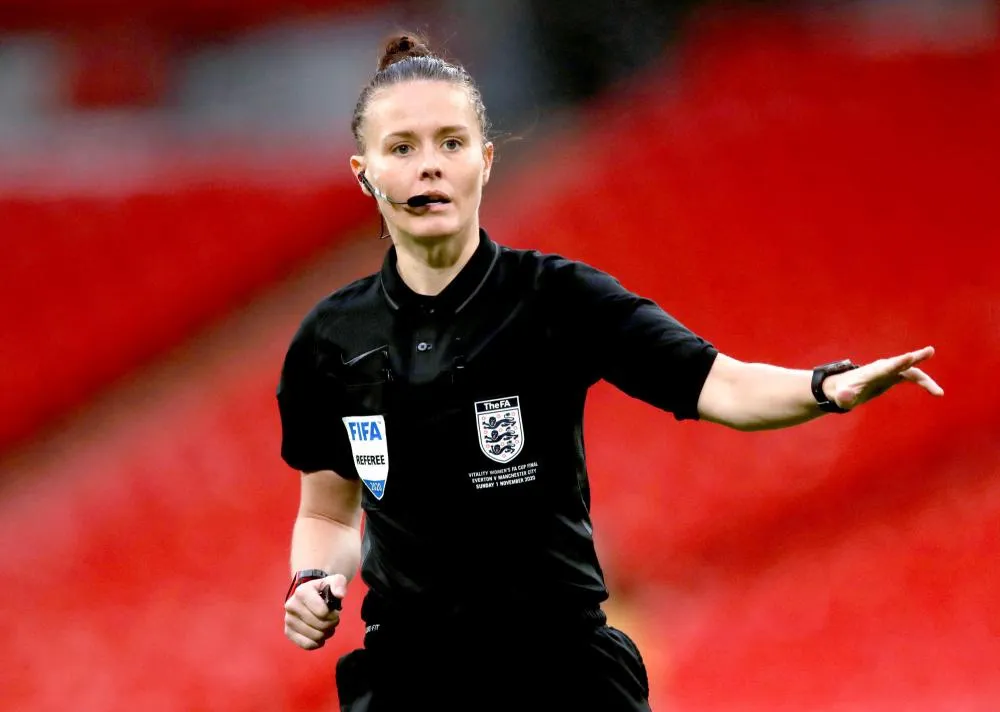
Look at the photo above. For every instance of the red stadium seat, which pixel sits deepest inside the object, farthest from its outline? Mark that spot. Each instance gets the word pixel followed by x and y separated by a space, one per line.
pixel 97 286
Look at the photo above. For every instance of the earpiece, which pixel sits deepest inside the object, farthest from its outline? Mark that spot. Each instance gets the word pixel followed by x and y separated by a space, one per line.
pixel 416 201
pixel 365 185
pixel 363 180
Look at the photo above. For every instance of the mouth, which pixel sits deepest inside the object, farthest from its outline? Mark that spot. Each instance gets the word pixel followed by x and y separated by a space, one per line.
pixel 434 196
pixel 432 201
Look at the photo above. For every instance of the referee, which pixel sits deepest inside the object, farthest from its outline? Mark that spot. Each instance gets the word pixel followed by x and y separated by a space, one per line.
pixel 444 397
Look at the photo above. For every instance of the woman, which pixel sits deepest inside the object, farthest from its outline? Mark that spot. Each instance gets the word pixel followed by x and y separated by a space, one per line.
pixel 444 396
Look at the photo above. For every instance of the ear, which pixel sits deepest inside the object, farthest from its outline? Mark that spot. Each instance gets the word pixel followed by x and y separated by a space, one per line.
pixel 358 168
pixel 487 161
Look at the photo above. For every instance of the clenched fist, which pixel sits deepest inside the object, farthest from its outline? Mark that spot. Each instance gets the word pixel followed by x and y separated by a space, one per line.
pixel 309 622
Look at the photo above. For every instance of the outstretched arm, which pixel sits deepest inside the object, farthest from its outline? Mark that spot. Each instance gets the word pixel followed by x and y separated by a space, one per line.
pixel 757 396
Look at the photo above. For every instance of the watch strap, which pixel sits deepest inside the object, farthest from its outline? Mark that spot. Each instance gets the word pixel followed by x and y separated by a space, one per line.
pixel 302 577
pixel 820 374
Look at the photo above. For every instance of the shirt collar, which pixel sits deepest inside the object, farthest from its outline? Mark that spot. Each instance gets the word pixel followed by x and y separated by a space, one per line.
pixel 455 295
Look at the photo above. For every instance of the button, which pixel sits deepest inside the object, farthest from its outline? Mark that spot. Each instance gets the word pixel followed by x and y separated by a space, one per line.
pixel 424 346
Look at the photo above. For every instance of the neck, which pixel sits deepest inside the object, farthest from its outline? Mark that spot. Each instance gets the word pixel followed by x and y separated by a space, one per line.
pixel 427 266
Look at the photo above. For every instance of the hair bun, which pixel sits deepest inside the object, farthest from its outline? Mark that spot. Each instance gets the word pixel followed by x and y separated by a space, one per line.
pixel 399 48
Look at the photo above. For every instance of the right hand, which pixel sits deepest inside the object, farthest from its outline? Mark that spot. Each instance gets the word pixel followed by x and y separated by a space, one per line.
pixel 308 620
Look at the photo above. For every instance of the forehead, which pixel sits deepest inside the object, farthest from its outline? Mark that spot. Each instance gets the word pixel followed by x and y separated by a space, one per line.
pixel 419 106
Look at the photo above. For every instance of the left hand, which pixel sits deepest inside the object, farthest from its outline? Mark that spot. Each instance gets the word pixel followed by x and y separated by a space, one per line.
pixel 851 389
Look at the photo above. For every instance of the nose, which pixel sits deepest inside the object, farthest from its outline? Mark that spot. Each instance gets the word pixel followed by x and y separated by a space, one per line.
pixel 431 165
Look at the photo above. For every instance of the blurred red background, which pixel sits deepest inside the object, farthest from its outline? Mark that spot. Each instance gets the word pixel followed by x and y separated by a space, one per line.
pixel 791 192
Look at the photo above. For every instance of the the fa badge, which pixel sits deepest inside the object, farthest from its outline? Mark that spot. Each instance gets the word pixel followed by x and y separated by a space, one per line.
pixel 501 434
pixel 370 449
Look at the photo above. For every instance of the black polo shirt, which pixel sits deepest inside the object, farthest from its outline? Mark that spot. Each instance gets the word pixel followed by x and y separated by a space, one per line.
pixel 463 414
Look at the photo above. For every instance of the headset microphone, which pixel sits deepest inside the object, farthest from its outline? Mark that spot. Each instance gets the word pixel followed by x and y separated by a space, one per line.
pixel 416 201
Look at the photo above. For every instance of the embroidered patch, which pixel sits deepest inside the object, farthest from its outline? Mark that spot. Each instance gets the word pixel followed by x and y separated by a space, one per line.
pixel 501 433
pixel 370 449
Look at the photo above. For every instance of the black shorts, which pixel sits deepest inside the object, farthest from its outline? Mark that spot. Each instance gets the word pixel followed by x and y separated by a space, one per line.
pixel 595 668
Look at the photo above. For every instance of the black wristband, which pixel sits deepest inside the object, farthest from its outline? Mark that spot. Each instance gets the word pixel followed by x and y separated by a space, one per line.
pixel 820 374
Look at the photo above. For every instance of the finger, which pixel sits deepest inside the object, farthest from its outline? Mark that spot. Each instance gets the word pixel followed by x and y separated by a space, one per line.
pixel 898 364
pixel 295 625
pixel 313 602
pixel 297 610
pixel 915 375
pixel 302 641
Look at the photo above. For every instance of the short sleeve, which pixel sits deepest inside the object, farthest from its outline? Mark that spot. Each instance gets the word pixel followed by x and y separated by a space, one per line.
pixel 311 405
pixel 632 343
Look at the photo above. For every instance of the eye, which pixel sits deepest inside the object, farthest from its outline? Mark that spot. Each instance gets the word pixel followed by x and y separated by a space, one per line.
pixel 452 144
pixel 401 149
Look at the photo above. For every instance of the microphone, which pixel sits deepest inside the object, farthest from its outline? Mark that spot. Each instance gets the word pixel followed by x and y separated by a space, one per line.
pixel 416 201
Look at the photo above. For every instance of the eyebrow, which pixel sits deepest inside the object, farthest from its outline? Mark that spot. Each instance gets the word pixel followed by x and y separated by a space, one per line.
pixel 458 128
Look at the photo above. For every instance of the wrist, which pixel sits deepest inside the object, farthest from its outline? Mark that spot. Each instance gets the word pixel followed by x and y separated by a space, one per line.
pixel 303 576
pixel 824 384
pixel 829 388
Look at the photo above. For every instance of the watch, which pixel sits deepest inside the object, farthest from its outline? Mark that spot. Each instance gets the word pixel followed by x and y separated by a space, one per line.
pixel 820 374
pixel 301 577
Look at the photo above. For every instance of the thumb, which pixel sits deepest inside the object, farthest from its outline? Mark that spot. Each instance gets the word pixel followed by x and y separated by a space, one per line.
pixel 337 584
pixel 332 589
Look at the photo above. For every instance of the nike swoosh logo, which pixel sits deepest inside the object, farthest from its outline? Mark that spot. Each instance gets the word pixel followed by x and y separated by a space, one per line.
pixel 355 359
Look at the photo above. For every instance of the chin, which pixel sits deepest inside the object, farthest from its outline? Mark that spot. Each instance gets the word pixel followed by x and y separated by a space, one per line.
pixel 434 229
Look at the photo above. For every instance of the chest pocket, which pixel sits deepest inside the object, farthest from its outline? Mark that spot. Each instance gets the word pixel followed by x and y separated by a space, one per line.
pixel 418 441
pixel 366 378
pixel 365 382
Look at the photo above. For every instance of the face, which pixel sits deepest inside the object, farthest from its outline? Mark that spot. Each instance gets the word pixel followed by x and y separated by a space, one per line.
pixel 423 138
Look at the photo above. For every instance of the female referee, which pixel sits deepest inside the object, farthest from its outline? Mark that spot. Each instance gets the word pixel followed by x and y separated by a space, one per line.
pixel 444 396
